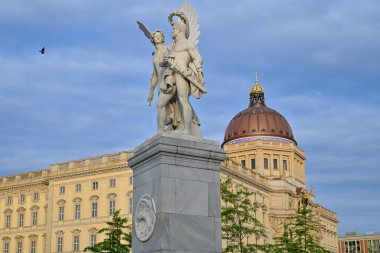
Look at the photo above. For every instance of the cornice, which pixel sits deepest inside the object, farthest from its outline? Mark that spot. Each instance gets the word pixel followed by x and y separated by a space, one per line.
pixel 245 179
pixel 87 172
pixel 24 185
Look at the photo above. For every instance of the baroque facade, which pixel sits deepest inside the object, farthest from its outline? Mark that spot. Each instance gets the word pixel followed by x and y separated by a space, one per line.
pixel 60 209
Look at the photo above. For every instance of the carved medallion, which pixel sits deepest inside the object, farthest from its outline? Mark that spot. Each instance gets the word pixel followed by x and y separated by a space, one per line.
pixel 145 217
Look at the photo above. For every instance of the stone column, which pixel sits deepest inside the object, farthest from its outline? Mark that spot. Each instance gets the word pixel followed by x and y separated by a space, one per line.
pixel 181 174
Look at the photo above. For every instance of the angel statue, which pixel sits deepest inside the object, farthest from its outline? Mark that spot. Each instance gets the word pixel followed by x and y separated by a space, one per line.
pixel 177 70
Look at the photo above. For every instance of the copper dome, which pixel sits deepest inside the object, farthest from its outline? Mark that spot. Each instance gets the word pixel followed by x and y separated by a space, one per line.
pixel 258 120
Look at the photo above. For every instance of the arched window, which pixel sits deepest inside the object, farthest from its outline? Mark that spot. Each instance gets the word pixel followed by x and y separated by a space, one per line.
pixel 8 217
pixel 77 208
pixel 34 209
pixel 21 215
pixel 59 234
pixel 76 239
pixel 61 209
pixel 92 232
pixel 94 206
pixel 33 243
pixel 112 203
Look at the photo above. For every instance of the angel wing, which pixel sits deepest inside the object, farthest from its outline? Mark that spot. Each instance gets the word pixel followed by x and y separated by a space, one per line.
pixel 192 20
pixel 145 30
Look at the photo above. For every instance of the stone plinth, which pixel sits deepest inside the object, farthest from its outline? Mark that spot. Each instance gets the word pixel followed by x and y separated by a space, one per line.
pixel 181 173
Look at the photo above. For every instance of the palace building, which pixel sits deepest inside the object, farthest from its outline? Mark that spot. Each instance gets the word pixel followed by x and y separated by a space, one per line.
pixel 60 209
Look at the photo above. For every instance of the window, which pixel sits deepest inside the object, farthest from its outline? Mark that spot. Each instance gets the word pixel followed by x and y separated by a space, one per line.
pixel 266 165
pixel 8 221
pixel 62 190
pixel 9 200
pixel 61 213
pixel 243 163
pixel 21 220
pixel 78 188
pixel 59 243
pixel 94 211
pixel 19 247
pixel 112 206
pixel 33 247
pixel 113 183
pixel 131 205
pixel 34 218
pixel 285 164
pixel 93 240
pixel 95 185
pixel 6 247
pixel 131 180
pixel 275 164
pixel 36 196
pixel 22 198
pixel 253 163
pixel 77 211
pixel 76 243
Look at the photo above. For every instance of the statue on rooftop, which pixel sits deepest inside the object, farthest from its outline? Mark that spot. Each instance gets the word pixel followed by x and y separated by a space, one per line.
pixel 177 71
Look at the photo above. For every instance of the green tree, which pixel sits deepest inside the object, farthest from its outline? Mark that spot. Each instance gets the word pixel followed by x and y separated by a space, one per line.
pixel 300 233
pixel 238 219
pixel 117 241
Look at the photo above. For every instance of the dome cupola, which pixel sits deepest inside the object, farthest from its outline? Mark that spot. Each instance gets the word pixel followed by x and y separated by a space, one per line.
pixel 258 121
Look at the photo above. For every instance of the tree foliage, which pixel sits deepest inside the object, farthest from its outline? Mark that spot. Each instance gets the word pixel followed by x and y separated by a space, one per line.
pixel 238 219
pixel 117 241
pixel 299 235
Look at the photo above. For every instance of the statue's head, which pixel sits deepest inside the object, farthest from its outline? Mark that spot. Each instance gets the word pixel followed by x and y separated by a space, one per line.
pixel 157 37
pixel 179 28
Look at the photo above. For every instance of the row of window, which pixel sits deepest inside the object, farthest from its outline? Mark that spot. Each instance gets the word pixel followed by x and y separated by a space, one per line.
pixel 76 242
pixel 21 219
pixel 21 199
pixel 33 244
pixel 94 209
pixel 266 164
pixel 95 186
pixel 19 247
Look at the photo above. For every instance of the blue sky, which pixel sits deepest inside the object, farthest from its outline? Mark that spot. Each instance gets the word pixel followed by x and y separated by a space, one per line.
pixel 318 62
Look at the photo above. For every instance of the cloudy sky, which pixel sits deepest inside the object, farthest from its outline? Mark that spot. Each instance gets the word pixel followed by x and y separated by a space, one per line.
pixel 318 62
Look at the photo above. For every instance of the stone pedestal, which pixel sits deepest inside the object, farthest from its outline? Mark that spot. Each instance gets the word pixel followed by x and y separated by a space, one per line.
pixel 181 174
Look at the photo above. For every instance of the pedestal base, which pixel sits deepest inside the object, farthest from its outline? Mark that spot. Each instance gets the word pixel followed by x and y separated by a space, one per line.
pixel 181 173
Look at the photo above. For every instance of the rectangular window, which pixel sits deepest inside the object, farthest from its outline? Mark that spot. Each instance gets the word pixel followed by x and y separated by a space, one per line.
pixel 94 212
pixel 35 219
pixel 93 240
pixel 95 185
pixel 285 164
pixel 22 198
pixel 78 188
pixel 33 247
pixel 266 164
pixel 112 207
pixel 19 247
pixel 131 180
pixel 61 213
pixel 76 243
pixel 131 205
pixel 275 164
pixel 21 220
pixel 243 163
pixel 62 190
pixel 6 247
pixel 113 183
pixel 9 200
pixel 8 221
pixel 36 196
pixel 253 164
pixel 77 211
pixel 60 244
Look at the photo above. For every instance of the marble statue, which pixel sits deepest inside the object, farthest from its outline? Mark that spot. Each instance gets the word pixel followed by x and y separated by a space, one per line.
pixel 177 71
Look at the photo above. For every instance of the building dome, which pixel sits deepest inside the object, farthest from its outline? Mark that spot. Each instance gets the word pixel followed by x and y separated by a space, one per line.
pixel 258 120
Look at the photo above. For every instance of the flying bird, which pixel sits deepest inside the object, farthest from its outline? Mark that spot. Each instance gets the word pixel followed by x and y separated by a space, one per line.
pixel 42 51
